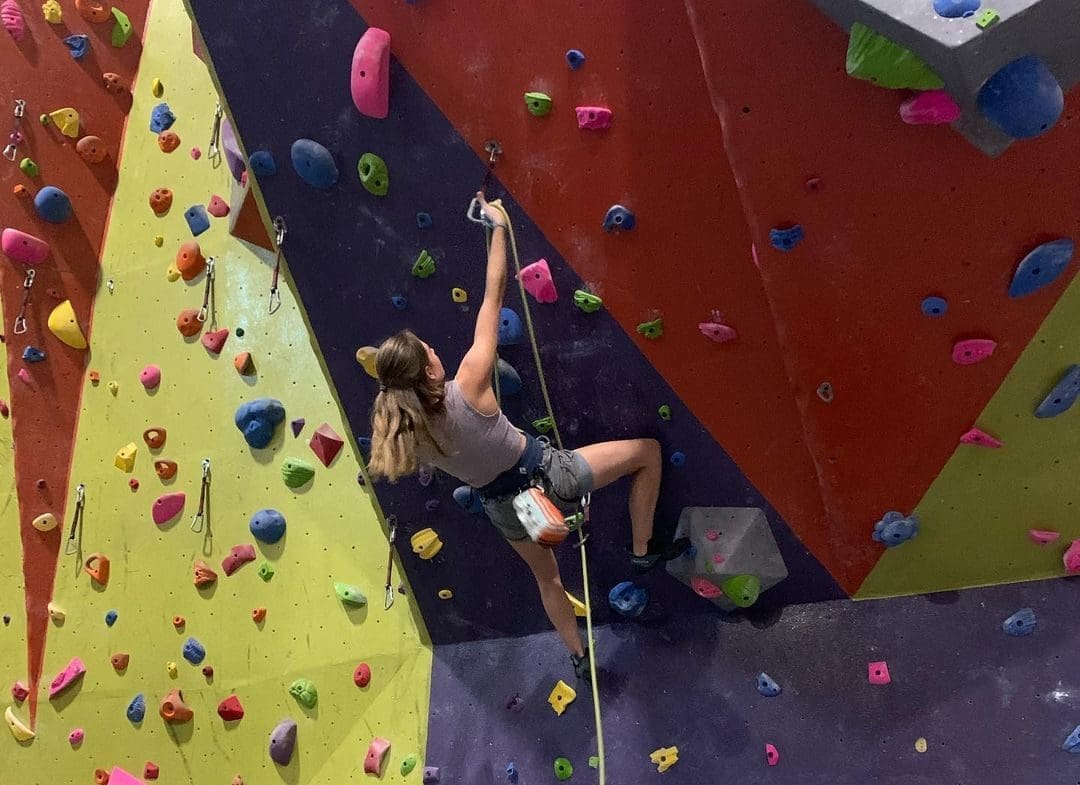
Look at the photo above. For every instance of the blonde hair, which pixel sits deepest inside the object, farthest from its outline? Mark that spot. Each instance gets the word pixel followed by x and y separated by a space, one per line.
pixel 407 400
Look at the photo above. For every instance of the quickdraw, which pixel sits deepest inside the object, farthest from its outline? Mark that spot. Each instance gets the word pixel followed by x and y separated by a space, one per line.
pixel 280 230
pixel 16 137
pixel 212 151
pixel 494 149
pixel 28 284
pixel 75 532
pixel 199 520
pixel 391 522
pixel 208 293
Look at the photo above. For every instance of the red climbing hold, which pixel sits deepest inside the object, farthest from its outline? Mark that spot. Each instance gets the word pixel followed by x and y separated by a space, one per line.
pixel 167 507
pixel 217 207
pixel 1072 558
pixel 188 322
pixel 362 675
pixel 1043 536
pixel 369 79
pixel 706 589
pixel 168 141
pixel 973 350
pixel 326 444
pixel 189 260
pixel 160 200
pixel 150 771
pixel 230 709
pixel 980 438
pixel 215 341
pixel 239 555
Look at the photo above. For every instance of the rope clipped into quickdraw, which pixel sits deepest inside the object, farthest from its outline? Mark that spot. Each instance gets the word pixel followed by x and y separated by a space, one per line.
pixel 199 520
pixel 213 151
pixel 20 320
pixel 15 138
pixel 280 230
pixel 208 292
pixel 75 532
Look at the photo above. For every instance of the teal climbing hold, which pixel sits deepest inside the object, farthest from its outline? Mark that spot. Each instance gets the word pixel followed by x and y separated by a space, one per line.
pixel 875 58
pixel 374 175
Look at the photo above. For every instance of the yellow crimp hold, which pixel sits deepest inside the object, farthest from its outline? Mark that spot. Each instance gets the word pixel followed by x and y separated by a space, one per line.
pixel 157 88
pixel 579 606
pixel 125 458
pixel 920 744
pixel 67 120
pixel 365 355
pixel 173 273
pixel 171 668
pixel 52 12
pixel 562 695
pixel 426 543
pixel 20 730
pixel 64 326
pixel 664 758
pixel 459 295
pixel 160 241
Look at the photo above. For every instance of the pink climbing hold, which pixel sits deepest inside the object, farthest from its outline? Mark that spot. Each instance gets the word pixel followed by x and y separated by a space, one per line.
pixel 66 677
pixel 712 535
pixel 12 19
pixel 22 247
pixel 1071 558
pixel 720 333
pixel 120 777
pixel 536 278
pixel 217 207
pixel 167 507
pixel 710 591
pixel 20 692
pixel 718 558
pixel 1043 536
pixel 24 375
pixel 878 672
pixel 973 350
pixel 772 755
pixel 370 77
pixel 980 438
pixel 239 555
pixel 215 341
pixel 594 118
pixel 150 377
pixel 75 738
pixel 933 107
pixel 376 756
pixel 196 153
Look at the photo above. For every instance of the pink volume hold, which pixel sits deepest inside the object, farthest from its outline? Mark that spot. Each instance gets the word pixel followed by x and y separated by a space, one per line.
pixel 370 77
pixel 973 350
pixel 980 438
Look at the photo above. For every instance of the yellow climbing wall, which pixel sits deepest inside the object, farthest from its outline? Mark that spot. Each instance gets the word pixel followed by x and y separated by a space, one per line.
pixel 333 531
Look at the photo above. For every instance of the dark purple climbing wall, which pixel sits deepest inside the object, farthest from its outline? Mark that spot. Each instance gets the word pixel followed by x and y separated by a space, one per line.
pixel 349 252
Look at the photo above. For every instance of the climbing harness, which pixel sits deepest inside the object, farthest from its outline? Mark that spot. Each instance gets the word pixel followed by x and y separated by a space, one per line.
pixel 391 522
pixel 16 137
pixel 280 230
pixel 208 293
pixel 75 532
pixel 199 520
pixel 212 150
pixel 28 284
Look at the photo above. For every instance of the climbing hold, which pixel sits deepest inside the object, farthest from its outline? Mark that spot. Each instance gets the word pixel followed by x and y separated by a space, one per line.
pixel 593 118
pixel 459 295
pixel 365 355
pixel 75 738
pixel 376 756
pixel 262 163
pixel 511 772
pixel 536 278
pixel 91 149
pixel 230 709
pixel 257 420
pixel 12 19
pixel 628 599
pixel 933 107
pixel 538 104
pixel 125 457
pixel 52 205
pixel 1062 396
pixel 426 543
pixel 468 499
pixel 980 439
pixel 178 622
pixel 19 729
pixel 1071 559
pixel 445 594
pixel 787 238
pixel 238 556
pixel 165 470
pixel 326 444
pixel 208 671
pixel 953 9
pixel 204 576
pixel 296 472
pixel 509 379
pixel 973 350
pixel 63 325
pixel 1043 536
pixel 19 692
pixel 258 615
pixel 543 424
pixel 304 691
pixel 120 660
pixel 193 651
pixel 562 695
pixel 243 364
pixel 112 82
pixel 369 77
pixel 767 686
pixel 151 771
pixel 167 507
pixel 743 590
pixel 362 675
pixel 168 141
pixel 374 175
pixel 297 425
pixel 161 118
pixel 66 120
pixel 23 248
pixel 563 769
pixel 283 742
pixel 92 10
pixel 618 217
pixel 314 163
pixel 122 30
pixel 133 483
pixel 215 341
pixel 157 89
pixel 29 167
pixel 1023 98
pixel 101 777
pixel 408 763
pixel 65 678
pixel 160 201
pixel 173 709
pixel 52 12
pixel 934 307
pixel 664 412
pixel 1020 623
pixel 589 303
pixel 772 755
pixel 424 266
pixel 878 673
pixel 720 333
pixel 32 354
pixel 1072 741
pixel 110 618
pixel 575 58
pixel 24 375
pixel 652 329
pixel 267 526
pixel 155 438
pixel 664 758
pixel 78 45
pixel 136 710
pixel 348 594
pixel 197 219
pixel 706 589
pixel 56 613
pixel 150 377
pixel 1041 267
pixel 45 522
pixel 217 207
pixel 987 18
pixel 511 330
pixel 894 529
pixel 875 58
pixel 423 220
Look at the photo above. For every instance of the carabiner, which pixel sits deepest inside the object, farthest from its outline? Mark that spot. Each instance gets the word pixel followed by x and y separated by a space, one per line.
pixel 208 292
pixel 20 320
pixel 72 546
pixel 212 151
pixel 280 230
pixel 16 136
pixel 199 520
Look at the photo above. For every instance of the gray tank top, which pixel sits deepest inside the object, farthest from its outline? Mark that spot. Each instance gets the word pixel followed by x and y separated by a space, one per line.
pixel 477 447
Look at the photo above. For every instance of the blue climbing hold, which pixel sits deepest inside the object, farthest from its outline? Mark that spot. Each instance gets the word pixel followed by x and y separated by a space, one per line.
pixel 935 307
pixel 1072 741
pixel 690 553
pixel 194 652
pixel 1041 267
pixel 257 420
pixel 111 617
pixel 575 58
pixel 314 163
pixel 786 239
pixel 954 9
pixel 364 443
pixel 431 505
pixel 423 220
pixel 197 219
pixel 136 710
pixel 52 205
pixel 1020 623
pixel 400 302
pixel 628 600
pixel 32 354
pixel 618 217
pixel 161 118
pixel 263 163
pixel 509 380
pixel 511 772
pixel 78 45
pixel 267 526
pixel 468 499
pixel 767 686
pixel 1062 396
pixel 1023 98
pixel 894 529
pixel 510 327
pixel 678 458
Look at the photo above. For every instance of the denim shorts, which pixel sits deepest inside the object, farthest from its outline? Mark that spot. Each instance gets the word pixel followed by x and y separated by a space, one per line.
pixel 567 477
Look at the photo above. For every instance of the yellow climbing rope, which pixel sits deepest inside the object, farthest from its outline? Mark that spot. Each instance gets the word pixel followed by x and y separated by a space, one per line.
pixel 559 443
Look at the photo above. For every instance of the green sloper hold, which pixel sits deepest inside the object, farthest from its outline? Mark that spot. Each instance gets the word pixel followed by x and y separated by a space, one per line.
pixel 408 764
pixel 305 693
pixel 875 58
pixel 424 266
pixel 563 769
pixel 122 30
pixel 539 104
pixel 743 590
pixel 350 595
pixel 374 175
pixel 589 303
pixel 296 472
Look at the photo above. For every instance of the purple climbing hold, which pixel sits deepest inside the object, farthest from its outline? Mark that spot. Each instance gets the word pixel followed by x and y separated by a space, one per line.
pixel 283 742
pixel 297 426
pixel 1023 98
pixel 234 159
pixel 1041 267
pixel 431 505
pixel 431 775
pixel 575 58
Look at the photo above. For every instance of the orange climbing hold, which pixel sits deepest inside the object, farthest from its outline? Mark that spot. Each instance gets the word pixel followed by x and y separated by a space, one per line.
pixel 245 366
pixel 101 777
pixel 154 438
pixel 91 149
pixel 168 141
pixel 188 322
pixel 120 660
pixel 93 11
pixel 204 576
pixel 112 82
pixel 189 260
pixel 160 200
pixel 97 567
pixel 173 709
pixel 258 615
pixel 166 470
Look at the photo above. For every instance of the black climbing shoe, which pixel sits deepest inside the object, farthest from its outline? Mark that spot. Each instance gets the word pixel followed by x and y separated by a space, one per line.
pixel 660 550
pixel 581 666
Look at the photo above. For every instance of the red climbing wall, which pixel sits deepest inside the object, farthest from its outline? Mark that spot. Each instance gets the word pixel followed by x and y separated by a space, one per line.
pixel 40 70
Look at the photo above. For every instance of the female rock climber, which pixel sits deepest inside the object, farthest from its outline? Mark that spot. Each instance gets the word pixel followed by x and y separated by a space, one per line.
pixel 421 417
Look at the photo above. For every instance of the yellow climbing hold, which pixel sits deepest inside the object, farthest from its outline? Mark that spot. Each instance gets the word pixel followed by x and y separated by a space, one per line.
pixel 45 522
pixel 114 387
pixel 160 241
pixel 445 594
pixel 64 326
pixel 157 88
pixel 562 695
pixel 125 458
pixel 67 120
pixel 920 744
pixel 426 543
pixel 56 613
pixel 579 606
pixel 171 668
pixel 365 355
pixel 173 273
pixel 459 295
pixel 20 730
pixel 52 12
pixel 664 758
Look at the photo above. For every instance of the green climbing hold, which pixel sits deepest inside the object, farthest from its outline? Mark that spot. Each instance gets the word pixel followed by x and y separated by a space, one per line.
pixel 874 57
pixel 296 472
pixel 122 30
pixel 743 590
pixel 652 330
pixel 266 570
pixel 594 761
pixel 539 104
pixel 408 764
pixel 424 266
pixel 665 412
pixel 350 595
pixel 589 303
pixel 29 168
pixel 543 425
pixel 374 175
pixel 563 769
pixel 304 691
